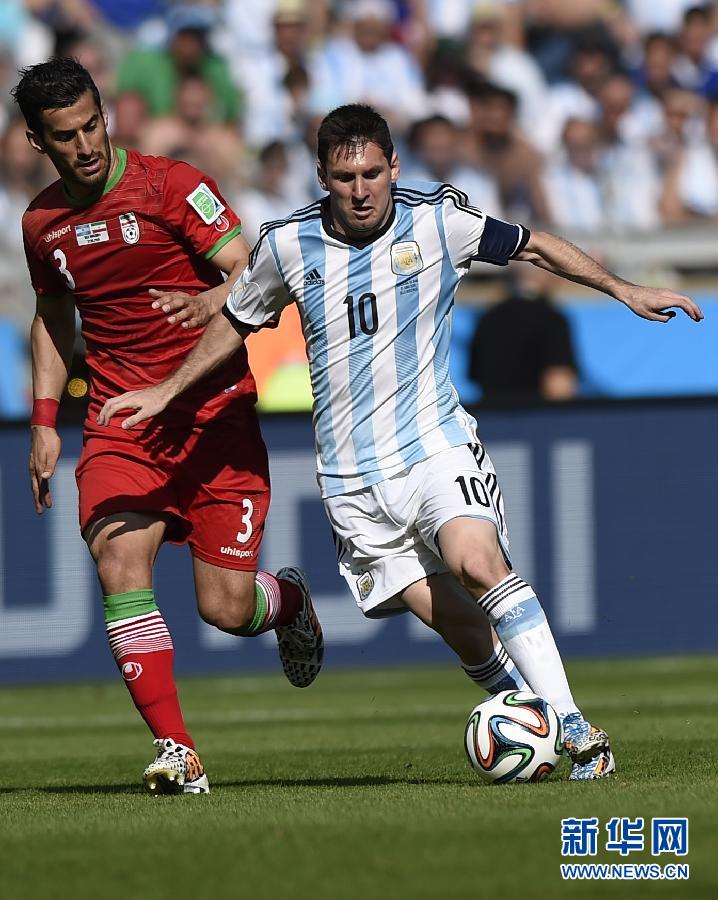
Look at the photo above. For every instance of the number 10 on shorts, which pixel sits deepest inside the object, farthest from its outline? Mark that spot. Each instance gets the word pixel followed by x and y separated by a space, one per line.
pixel 473 490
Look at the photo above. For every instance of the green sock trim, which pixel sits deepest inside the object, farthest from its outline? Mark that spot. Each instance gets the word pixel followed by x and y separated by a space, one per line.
pixel 260 613
pixel 125 606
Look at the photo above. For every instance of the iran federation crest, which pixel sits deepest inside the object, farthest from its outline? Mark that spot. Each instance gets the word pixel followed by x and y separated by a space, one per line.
pixel 130 228
pixel 406 258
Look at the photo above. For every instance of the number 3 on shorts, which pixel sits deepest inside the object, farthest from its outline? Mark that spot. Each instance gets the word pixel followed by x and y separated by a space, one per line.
pixel 244 536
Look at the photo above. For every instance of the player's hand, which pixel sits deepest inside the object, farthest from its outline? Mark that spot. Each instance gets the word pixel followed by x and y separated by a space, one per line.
pixel 657 304
pixel 44 453
pixel 148 402
pixel 187 310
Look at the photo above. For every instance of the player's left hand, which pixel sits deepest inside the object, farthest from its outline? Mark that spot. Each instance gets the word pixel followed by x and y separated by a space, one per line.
pixel 187 310
pixel 148 402
pixel 657 304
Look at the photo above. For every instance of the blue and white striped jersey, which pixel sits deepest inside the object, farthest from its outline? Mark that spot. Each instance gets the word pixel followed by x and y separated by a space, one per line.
pixel 376 318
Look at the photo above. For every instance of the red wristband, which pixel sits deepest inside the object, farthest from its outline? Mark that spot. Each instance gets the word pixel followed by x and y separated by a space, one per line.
pixel 44 412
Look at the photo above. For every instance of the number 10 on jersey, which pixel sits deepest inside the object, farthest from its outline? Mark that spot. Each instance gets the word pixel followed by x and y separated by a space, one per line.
pixel 362 314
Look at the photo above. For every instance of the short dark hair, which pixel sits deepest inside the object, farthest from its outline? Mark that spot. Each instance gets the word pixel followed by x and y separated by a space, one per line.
pixel 55 84
pixel 352 126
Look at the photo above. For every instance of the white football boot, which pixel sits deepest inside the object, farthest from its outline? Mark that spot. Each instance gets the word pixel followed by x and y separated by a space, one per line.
pixel 177 769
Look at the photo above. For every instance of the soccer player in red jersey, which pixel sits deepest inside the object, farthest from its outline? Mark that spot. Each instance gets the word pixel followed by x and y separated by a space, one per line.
pixel 128 239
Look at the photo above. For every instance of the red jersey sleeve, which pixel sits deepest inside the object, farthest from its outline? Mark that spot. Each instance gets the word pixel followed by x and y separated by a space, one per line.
pixel 194 206
pixel 46 279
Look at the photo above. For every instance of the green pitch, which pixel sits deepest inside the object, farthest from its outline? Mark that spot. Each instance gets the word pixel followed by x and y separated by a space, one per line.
pixel 355 788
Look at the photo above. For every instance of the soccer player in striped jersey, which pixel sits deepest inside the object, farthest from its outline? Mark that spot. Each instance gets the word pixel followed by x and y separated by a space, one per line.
pixel 410 492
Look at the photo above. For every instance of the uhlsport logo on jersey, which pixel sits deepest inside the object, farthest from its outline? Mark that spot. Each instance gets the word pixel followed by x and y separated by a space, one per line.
pixel 205 204
pixel 130 228
pixel 406 258
pixel 131 671
pixel 57 233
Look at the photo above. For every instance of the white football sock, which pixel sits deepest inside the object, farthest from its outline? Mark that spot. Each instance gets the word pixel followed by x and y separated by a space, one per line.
pixel 520 622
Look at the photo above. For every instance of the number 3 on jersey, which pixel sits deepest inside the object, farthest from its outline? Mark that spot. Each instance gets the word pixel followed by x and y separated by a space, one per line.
pixel 62 259
pixel 246 534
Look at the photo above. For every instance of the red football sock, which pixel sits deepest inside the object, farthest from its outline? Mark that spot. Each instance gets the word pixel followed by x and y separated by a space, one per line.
pixel 279 602
pixel 143 649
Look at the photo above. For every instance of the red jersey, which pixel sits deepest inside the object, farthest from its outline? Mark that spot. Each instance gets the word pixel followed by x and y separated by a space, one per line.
pixel 157 224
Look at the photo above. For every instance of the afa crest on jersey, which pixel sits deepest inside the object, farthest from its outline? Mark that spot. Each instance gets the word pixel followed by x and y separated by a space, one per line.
pixel 406 258
pixel 130 228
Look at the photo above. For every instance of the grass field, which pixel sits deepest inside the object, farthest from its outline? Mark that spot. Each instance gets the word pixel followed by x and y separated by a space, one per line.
pixel 355 788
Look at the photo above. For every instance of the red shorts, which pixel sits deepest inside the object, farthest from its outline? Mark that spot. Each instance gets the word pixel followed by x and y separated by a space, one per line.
pixel 211 482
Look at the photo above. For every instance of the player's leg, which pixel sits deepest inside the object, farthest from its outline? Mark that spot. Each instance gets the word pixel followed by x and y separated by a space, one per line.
pixel 227 507
pixel 462 512
pixel 389 570
pixel 442 604
pixel 248 603
pixel 124 547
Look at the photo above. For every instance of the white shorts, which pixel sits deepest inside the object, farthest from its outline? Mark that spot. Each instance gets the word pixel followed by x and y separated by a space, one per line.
pixel 385 534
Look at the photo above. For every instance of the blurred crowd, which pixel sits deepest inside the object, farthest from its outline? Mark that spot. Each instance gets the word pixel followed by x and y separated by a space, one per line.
pixel 581 116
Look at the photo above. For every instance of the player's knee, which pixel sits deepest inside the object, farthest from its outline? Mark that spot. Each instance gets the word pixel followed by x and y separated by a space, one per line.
pixel 231 612
pixel 119 573
pixel 478 568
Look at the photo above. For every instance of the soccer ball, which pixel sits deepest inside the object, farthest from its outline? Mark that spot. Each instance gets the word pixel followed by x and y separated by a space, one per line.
pixel 513 736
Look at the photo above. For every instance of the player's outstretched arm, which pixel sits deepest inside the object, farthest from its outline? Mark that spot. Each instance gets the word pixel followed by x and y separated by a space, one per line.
pixel 216 345
pixel 553 253
pixel 195 311
pixel 52 336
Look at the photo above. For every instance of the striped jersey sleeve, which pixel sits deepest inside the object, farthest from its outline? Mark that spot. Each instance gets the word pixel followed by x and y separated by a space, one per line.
pixel 260 294
pixel 471 234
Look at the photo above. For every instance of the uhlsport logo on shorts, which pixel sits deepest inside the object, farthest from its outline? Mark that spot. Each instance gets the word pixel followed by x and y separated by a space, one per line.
pixel 365 585
pixel 406 258
pixel 205 204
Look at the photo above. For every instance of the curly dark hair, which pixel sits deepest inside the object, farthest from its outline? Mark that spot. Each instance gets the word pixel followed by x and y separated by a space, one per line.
pixel 55 84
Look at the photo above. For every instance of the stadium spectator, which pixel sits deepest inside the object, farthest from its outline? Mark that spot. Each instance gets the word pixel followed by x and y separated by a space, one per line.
pixel 263 73
pixel 601 183
pixel 690 190
pixel 502 63
pixel 573 180
pixel 273 193
pixel 191 133
pixel 555 28
pixel 522 348
pixel 696 67
pixel 497 146
pixel 22 174
pixel 592 62
pixel 129 120
pixel 654 74
pixel 156 74
pixel 138 244
pixel 436 152
pixel 364 63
